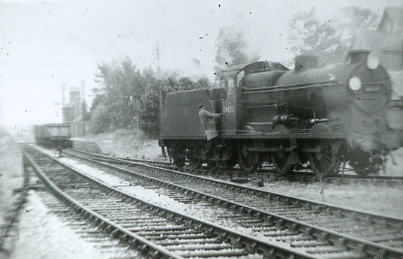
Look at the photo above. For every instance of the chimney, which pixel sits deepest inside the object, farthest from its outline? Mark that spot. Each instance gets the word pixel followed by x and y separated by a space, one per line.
pixel 305 62
pixel 358 56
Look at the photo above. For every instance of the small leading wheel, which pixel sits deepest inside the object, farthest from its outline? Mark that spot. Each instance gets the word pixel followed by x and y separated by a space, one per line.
pixel 326 162
pixel 362 169
pixel 248 161
pixel 283 162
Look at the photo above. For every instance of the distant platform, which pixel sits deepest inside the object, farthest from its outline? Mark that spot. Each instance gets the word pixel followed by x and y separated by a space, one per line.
pixel 82 144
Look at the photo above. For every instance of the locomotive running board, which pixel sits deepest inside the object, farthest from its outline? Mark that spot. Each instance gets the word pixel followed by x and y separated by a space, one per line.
pixel 280 149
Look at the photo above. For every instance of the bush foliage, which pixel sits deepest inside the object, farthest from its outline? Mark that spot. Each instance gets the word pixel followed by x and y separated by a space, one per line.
pixel 130 97
pixel 328 40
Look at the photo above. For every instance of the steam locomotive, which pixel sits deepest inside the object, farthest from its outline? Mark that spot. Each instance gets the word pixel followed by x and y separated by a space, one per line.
pixel 310 116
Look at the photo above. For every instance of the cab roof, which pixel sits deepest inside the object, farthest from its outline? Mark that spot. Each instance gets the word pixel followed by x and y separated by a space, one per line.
pixel 254 67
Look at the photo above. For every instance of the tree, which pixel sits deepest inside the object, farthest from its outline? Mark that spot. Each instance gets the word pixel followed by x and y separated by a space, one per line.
pixel 329 40
pixel 149 111
pixel 130 97
pixel 359 18
pixel 310 36
pixel 185 84
pixel 231 49
pixel 100 119
pixel 356 19
pixel 123 87
pixel 203 82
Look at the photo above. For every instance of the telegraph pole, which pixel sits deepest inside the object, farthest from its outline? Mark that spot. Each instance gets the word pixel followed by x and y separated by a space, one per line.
pixel 63 95
pixel 82 90
pixel 157 55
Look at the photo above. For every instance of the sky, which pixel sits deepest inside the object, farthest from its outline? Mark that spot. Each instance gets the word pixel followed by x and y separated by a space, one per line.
pixel 47 44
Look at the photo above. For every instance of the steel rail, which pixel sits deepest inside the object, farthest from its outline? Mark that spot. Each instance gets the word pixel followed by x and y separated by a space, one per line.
pixel 12 218
pixel 341 179
pixel 393 221
pixel 366 247
pixel 268 250
pixel 391 181
pixel 116 230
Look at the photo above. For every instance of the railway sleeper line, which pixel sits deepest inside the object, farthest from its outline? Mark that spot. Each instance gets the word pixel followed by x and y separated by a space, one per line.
pixel 86 229
pixel 240 245
pixel 8 227
pixel 390 181
pixel 280 221
pixel 393 222
pixel 271 196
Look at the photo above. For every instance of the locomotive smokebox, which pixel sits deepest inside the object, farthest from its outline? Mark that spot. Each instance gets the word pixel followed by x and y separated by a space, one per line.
pixel 305 62
pixel 358 56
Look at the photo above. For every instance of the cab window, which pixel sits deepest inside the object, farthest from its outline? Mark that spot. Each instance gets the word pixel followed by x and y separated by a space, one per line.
pixel 239 78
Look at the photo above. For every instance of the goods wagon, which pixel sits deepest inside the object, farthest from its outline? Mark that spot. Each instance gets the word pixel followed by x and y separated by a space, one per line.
pixel 53 134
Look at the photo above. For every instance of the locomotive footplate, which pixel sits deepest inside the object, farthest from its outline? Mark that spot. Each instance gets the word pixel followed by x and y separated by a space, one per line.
pixel 296 136
pixel 283 149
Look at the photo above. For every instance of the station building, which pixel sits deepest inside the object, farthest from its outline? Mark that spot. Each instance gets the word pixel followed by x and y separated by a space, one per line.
pixel 74 113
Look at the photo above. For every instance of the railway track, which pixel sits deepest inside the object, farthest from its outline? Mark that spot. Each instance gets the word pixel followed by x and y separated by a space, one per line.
pixel 373 234
pixel 156 231
pixel 11 220
pixel 390 181
pixel 86 229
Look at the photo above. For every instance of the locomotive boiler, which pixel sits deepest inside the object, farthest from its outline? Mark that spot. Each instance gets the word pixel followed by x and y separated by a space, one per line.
pixel 310 116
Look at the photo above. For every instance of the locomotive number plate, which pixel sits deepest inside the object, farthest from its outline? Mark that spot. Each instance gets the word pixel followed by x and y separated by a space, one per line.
pixel 371 89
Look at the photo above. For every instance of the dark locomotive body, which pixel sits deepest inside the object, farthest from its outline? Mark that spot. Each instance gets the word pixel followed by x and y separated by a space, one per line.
pixel 311 116
pixel 53 135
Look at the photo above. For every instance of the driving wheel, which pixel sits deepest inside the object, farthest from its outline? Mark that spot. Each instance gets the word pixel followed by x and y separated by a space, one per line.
pixel 283 162
pixel 325 162
pixel 248 161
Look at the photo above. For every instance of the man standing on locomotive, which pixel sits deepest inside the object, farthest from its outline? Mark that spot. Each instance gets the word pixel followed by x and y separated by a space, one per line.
pixel 208 120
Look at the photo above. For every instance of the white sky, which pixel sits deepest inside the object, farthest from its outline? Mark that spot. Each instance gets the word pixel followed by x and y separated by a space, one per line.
pixel 45 44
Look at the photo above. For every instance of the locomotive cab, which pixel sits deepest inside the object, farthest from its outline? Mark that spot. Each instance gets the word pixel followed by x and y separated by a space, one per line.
pixel 249 108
